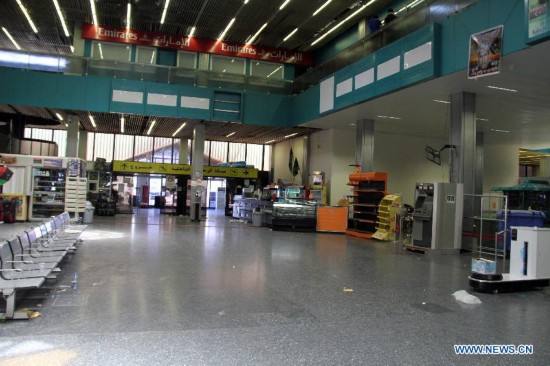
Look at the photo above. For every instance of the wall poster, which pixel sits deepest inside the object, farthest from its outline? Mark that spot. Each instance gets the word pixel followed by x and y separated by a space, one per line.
pixel 485 53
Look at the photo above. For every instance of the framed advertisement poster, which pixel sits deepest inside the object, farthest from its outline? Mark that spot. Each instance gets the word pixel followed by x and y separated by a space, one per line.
pixel 485 53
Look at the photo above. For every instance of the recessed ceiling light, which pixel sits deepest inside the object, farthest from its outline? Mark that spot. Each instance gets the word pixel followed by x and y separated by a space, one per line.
pixel 268 142
pixel 62 18
pixel 220 38
pixel 292 134
pixel 24 10
pixel 342 22
pixel 94 15
pixel 290 34
pixel 442 101
pixel 352 124
pixel 390 117
pixel 128 15
pixel 231 134
pixel 122 120
pixel 284 4
pixel 93 121
pixel 11 38
pixel 179 129
pixel 257 34
pixel 499 88
pixel 151 127
pixel 496 130
pixel 321 7
pixel 482 119
pixel 164 11
pixel 66 125
pixel 59 117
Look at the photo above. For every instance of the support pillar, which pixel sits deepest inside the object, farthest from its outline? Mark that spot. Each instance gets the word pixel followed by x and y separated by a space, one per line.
pixel 306 161
pixel 82 144
pixel 183 151
pixel 466 159
pixel 71 150
pixel 196 170
pixel 364 150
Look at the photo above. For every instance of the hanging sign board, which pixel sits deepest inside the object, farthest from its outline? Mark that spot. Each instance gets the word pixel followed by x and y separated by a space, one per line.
pixel 485 53
pixel 182 169
pixel 193 44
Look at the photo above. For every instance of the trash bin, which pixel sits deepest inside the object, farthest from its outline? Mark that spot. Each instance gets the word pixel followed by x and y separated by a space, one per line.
pixel 88 217
pixel 529 218
pixel 257 218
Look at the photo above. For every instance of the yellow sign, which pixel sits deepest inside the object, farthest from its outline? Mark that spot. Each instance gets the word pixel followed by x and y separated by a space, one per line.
pixel 182 169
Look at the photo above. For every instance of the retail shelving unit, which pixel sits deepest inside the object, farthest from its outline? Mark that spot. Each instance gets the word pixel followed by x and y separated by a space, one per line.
pixel 75 195
pixel 368 191
pixel 48 192
pixel 388 209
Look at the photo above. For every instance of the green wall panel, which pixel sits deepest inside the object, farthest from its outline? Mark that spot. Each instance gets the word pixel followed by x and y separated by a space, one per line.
pixel 267 109
pixel 167 57
pixel 98 93
pixel 305 106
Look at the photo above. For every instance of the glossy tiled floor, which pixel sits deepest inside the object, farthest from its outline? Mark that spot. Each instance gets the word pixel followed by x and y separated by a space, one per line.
pixel 159 290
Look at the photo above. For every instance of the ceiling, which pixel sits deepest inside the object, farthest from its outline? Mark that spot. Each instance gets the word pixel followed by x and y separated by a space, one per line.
pixel 210 17
pixel 525 114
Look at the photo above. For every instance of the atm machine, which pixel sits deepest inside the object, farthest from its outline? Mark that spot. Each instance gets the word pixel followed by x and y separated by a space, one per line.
pixel 437 217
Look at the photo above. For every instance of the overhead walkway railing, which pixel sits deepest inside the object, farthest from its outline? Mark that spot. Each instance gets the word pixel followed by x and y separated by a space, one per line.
pixel 423 13
pixel 83 66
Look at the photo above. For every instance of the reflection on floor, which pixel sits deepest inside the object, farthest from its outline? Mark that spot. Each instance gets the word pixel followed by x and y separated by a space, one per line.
pixel 160 290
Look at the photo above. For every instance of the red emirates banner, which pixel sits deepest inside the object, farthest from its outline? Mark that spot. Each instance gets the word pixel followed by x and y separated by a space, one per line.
pixel 184 43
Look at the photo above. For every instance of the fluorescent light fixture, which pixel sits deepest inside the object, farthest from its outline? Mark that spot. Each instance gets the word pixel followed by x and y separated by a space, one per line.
pixel 343 21
pixel 482 119
pixel 257 34
pixel 503 131
pixel 321 7
pixel 504 89
pixel 352 124
pixel 231 134
pixel 24 10
pixel 100 50
pixel 179 129
pixel 60 14
pixel 128 15
pixel 442 101
pixel 94 14
pixel 274 71
pixel 164 11
pixel 151 126
pixel 153 57
pixel 192 32
pixel 390 117
pixel 122 120
pixel 220 38
pixel 11 38
pixel 66 125
pixel 12 57
pixel 268 142
pixel 290 34
pixel 292 134
pixel 59 117
pixel 92 120
pixel 72 49
pixel 246 1
pixel 284 4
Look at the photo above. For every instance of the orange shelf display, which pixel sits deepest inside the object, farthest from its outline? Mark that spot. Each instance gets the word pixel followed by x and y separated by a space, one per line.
pixel 368 189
